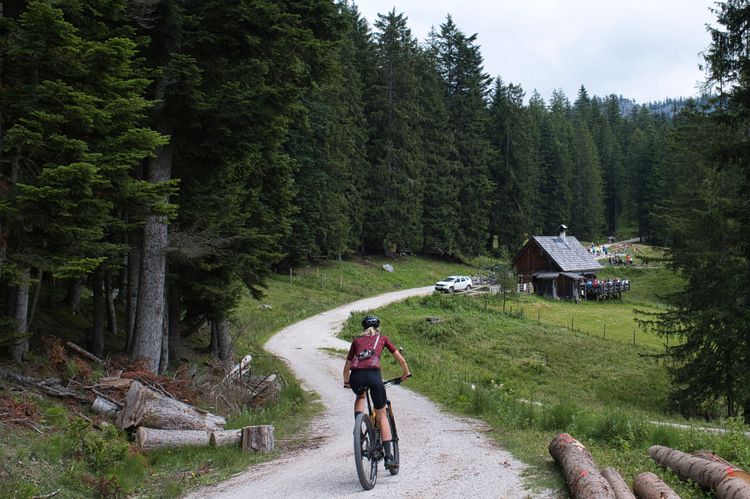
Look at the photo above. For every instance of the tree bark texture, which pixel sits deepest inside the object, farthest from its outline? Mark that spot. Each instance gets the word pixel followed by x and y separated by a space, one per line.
pixel 224 341
pixel 619 487
pixel 150 308
pixel 21 345
pixel 147 335
pixel 706 473
pixel 581 473
pixel 134 267
pixel 148 439
pixel 35 299
pixel 111 311
pixel 73 295
pixel 258 438
pixel 147 407
pixel 649 486
pixel 100 313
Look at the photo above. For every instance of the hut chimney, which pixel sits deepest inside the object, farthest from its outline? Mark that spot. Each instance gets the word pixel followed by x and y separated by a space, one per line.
pixel 562 230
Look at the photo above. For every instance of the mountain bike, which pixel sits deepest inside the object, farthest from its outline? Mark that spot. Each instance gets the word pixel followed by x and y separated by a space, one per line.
pixel 368 442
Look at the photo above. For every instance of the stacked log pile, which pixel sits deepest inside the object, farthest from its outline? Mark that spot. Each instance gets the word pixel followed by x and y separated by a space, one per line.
pixel 725 480
pixel 161 421
pixel 705 468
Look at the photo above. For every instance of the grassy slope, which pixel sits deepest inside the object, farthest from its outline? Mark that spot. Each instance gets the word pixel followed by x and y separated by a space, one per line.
pixel 57 460
pixel 531 379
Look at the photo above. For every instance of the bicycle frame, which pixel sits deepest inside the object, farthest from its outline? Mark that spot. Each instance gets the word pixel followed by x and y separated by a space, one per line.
pixel 388 410
pixel 368 441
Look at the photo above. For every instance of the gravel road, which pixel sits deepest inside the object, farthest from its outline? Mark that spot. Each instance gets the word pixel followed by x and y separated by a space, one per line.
pixel 441 455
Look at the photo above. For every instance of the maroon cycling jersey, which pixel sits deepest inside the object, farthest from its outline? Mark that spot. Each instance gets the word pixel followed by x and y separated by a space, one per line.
pixel 365 351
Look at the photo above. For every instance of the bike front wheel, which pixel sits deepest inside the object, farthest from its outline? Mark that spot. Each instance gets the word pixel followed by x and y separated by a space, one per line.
pixel 394 444
pixel 365 451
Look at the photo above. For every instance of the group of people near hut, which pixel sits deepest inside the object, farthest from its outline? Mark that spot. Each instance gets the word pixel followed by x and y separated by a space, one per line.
pixel 597 289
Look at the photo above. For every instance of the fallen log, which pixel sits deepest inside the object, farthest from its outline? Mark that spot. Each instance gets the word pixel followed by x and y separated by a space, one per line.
pixel 727 482
pixel 105 407
pixel 258 438
pixel 619 487
pixel 581 473
pixel 147 407
pixel 148 439
pixel 49 386
pixel 83 353
pixel 114 382
pixel 649 486
pixel 711 456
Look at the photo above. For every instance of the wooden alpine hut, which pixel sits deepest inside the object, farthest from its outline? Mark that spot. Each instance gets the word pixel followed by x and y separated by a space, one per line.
pixel 555 265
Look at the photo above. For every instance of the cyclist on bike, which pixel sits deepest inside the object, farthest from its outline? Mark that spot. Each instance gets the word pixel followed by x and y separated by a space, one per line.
pixel 362 371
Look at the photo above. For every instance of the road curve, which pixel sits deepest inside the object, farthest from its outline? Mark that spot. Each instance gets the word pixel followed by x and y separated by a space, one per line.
pixel 441 455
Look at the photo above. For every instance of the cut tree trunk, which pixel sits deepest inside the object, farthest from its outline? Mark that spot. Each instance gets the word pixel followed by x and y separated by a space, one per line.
pixel 147 407
pixel 649 486
pixel 619 487
pixel 581 473
pixel 258 438
pixel 706 473
pixel 148 439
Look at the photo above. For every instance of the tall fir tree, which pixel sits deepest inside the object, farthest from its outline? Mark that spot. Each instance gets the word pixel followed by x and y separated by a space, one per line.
pixel 515 168
pixel 395 184
pixel 460 65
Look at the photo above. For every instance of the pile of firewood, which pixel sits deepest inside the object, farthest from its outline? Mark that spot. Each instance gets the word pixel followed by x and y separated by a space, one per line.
pixel 139 402
pixel 162 421
pixel 585 481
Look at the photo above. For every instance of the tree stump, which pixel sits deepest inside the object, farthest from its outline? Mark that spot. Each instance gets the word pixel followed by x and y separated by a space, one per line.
pixel 581 473
pixel 258 438
pixel 619 487
pixel 148 439
pixel 649 486
pixel 146 407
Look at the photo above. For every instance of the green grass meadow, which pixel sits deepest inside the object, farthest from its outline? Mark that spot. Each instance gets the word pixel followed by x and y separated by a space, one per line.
pixel 530 375
pixel 529 367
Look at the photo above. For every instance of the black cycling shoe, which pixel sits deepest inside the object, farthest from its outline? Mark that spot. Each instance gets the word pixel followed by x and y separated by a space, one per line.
pixel 390 462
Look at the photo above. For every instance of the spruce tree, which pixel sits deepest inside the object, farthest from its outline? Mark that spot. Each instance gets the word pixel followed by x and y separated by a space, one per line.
pixel 460 65
pixel 395 183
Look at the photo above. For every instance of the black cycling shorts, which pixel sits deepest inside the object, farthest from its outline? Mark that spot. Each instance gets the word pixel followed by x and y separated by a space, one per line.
pixel 359 379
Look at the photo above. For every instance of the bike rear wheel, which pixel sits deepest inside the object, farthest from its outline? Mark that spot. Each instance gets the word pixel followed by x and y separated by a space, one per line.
pixel 365 451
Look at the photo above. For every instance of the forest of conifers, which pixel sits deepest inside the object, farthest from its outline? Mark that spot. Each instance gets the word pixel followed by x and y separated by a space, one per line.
pixel 169 154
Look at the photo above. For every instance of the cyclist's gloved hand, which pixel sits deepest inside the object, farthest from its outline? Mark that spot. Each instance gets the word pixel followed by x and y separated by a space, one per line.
pixel 403 378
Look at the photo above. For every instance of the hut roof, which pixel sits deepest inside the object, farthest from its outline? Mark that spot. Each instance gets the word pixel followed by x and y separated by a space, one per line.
pixel 567 253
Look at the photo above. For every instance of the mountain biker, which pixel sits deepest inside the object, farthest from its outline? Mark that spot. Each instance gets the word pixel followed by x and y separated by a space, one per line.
pixel 362 371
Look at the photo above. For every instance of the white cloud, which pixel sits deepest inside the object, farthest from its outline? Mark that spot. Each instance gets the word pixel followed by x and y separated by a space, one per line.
pixel 642 49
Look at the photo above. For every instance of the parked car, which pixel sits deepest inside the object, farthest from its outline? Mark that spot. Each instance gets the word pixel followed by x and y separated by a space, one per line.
pixel 454 283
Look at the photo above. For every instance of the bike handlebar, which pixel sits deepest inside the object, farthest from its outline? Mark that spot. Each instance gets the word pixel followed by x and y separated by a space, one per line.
pixel 395 381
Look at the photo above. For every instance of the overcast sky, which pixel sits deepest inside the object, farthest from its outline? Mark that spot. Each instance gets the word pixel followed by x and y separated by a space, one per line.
pixel 645 50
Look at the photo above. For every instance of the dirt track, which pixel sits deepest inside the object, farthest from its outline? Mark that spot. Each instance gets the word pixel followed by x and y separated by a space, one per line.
pixel 441 455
